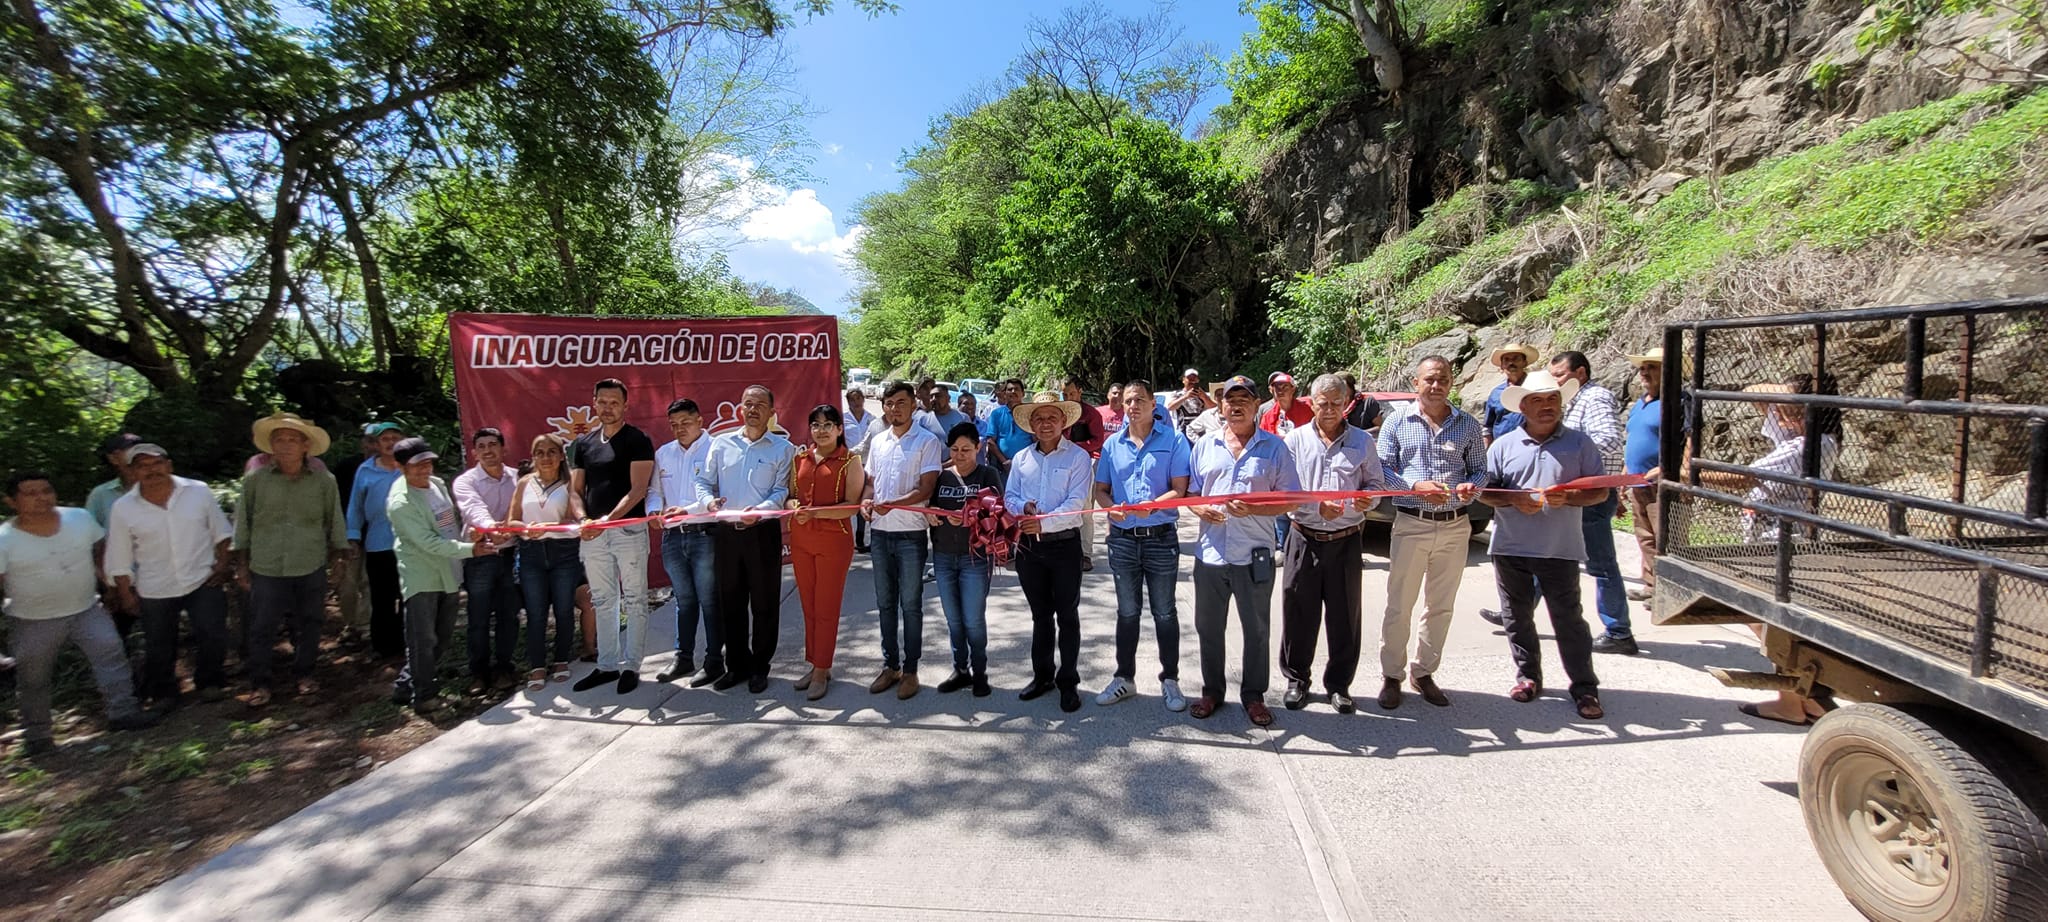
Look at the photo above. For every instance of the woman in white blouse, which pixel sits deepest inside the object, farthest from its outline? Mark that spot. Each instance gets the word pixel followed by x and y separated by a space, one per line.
pixel 549 562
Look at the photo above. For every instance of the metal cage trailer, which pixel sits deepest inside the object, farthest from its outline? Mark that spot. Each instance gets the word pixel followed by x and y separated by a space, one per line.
pixel 1887 530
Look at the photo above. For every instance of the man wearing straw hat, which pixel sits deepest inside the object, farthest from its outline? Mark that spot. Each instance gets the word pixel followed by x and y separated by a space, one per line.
pixel 1053 476
pixel 1538 537
pixel 289 527
pixel 1513 360
pixel 1640 456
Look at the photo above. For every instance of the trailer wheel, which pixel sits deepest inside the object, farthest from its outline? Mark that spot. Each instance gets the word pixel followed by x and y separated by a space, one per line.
pixel 1913 823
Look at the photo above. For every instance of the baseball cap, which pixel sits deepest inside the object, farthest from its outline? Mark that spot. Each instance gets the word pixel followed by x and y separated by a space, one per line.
pixel 120 441
pixel 376 429
pixel 1279 377
pixel 144 448
pixel 1190 373
pixel 1236 382
pixel 413 449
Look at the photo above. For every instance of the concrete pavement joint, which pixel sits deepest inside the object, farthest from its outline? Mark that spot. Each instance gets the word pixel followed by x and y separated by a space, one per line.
pixel 785 901
pixel 1336 887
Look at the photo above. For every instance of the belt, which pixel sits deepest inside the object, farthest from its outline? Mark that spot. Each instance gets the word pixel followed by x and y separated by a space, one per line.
pixel 1317 534
pixel 1143 531
pixel 692 529
pixel 1433 515
pixel 1071 534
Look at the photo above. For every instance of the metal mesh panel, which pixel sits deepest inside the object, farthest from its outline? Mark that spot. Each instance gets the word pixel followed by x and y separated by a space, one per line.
pixel 1927 600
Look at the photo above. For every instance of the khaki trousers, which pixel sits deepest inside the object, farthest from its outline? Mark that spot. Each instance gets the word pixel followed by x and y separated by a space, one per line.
pixel 1427 559
pixel 1642 509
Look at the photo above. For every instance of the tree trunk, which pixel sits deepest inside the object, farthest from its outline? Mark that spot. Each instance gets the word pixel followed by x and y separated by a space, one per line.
pixel 1386 56
pixel 383 335
pixel 566 255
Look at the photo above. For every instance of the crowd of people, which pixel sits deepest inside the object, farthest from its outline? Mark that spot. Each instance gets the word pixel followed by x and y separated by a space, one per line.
pixel 567 534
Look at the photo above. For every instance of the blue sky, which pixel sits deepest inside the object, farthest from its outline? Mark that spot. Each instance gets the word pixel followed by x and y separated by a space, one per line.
pixel 878 82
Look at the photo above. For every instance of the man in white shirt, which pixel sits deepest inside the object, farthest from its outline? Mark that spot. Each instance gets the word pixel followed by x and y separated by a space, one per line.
pixel 1597 414
pixel 1324 587
pixel 686 552
pixel 1053 476
pixel 51 587
pixel 859 423
pixel 903 469
pixel 168 554
pixel 483 494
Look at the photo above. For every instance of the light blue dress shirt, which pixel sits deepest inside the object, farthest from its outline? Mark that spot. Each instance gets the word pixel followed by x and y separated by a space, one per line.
pixel 1057 482
pixel 1266 465
pixel 748 475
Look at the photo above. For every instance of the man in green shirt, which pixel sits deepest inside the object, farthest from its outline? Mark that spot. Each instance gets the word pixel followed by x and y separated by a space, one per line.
pixel 425 527
pixel 288 528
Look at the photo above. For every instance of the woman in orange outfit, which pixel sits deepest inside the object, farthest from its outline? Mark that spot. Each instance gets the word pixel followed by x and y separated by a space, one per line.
pixel 821 543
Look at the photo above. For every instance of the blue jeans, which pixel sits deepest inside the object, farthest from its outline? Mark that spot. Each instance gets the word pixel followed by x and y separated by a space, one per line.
pixel 493 609
pixel 963 592
pixel 549 569
pixel 689 561
pixel 899 558
pixel 1146 566
pixel 1611 598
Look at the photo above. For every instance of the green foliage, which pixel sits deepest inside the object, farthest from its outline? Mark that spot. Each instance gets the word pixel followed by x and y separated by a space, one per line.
pixel 1909 175
pixel 245 731
pixel 1290 70
pixel 1451 24
pixel 89 835
pixel 176 763
pixel 244 771
pixel 27 777
pixel 1898 22
pixel 18 816
pixel 1423 330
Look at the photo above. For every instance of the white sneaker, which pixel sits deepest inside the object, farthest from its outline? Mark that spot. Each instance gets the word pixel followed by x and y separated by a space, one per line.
pixel 1119 689
pixel 1175 702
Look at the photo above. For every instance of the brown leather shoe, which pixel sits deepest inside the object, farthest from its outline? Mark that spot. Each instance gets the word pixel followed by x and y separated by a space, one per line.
pixel 1390 694
pixel 1430 693
pixel 884 682
pixel 906 688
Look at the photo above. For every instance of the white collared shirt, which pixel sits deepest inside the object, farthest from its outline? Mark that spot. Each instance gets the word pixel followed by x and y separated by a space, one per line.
pixel 169 549
pixel 675 475
pixel 1057 482
pixel 894 463
pixel 484 500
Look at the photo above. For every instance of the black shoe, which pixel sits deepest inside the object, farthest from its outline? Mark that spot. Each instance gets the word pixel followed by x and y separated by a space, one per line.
pixel 757 684
pixel 401 695
pixel 703 677
pixel 1390 694
pixel 728 681
pixel 1608 643
pixel 1034 690
pixel 1342 702
pixel 1430 692
pixel 680 669
pixel 595 678
pixel 629 680
pixel 1492 617
pixel 140 720
pixel 955 682
pixel 1070 700
pixel 1296 697
pixel 981 688
pixel 587 658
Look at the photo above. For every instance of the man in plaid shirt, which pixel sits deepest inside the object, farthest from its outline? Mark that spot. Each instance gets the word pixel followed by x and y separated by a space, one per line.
pixel 1597 414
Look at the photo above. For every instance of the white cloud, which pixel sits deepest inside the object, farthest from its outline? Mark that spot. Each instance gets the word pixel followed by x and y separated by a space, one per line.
pixel 794 242
pixel 832 150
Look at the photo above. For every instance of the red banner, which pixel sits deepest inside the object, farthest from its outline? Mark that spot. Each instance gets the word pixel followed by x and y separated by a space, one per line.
pixel 531 374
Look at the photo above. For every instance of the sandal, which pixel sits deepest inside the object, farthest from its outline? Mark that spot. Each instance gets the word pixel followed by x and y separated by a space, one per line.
pixel 558 672
pixel 536 680
pixel 1525 691
pixel 1589 707
pixel 259 698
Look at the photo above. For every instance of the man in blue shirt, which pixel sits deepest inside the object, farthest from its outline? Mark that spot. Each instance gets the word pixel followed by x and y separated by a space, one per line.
pixel 1144 462
pixel 1234 550
pixel 1006 437
pixel 1640 456
pixel 369 535
pixel 1538 538
pixel 747 470
pixel 1514 360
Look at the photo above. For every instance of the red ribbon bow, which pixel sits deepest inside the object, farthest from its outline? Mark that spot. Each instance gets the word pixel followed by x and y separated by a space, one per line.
pixel 991 529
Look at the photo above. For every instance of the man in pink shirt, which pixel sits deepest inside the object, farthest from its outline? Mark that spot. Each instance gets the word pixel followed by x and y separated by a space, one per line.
pixel 1113 411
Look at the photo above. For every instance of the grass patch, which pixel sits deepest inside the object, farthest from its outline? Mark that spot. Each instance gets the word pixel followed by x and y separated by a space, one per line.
pixel 372 715
pixel 1426 329
pixel 185 760
pixel 243 731
pixel 241 773
pixel 90 835
pixel 19 816
pixel 27 777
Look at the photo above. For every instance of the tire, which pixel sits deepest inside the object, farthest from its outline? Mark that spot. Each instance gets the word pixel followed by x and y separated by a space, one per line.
pixel 1915 825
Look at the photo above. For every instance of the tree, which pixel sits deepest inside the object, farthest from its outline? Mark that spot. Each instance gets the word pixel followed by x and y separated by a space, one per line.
pixel 1379 29
pixel 1104 66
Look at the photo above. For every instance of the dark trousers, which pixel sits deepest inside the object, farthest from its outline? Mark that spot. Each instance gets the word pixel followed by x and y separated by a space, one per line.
pixel 899 558
pixel 548 571
pixel 748 562
pixel 1050 572
pixel 1215 588
pixel 1324 589
pixel 301 603
pixel 1143 566
pixel 429 626
pixel 493 612
pixel 387 623
pixel 207 606
pixel 1522 580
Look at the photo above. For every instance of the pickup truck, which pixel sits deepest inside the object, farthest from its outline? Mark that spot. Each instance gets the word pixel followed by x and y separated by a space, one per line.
pixel 1896 570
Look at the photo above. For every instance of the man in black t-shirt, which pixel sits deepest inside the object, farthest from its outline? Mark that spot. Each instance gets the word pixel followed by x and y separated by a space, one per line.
pixel 614 463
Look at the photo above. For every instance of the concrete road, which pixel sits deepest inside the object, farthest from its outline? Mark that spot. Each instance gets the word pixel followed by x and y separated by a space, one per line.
pixel 562 805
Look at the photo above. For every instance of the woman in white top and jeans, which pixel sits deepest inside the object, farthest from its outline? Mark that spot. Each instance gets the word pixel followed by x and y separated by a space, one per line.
pixel 549 564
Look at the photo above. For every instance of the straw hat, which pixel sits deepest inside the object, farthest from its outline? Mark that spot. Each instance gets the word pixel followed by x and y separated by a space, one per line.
pixel 1530 352
pixel 1071 409
pixel 1538 382
pixel 316 437
pixel 1656 356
